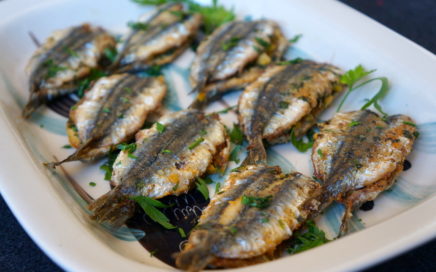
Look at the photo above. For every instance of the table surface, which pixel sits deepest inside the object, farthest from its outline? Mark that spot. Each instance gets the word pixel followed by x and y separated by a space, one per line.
pixel 415 20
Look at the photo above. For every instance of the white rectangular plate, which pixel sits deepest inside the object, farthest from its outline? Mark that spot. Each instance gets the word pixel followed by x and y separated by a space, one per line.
pixel 53 215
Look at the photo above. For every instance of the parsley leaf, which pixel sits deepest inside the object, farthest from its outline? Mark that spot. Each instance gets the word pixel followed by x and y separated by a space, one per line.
pixel 130 148
pixel 257 202
pixel 195 143
pixel 150 205
pixel 310 238
pixel 160 127
pixel 236 135
pixel 107 167
pixel 137 25
pixel 67 146
pixel 296 38
pixel 202 187
pixel 230 43
pixel 52 68
pixel 110 54
pixel 300 144
pixel 262 42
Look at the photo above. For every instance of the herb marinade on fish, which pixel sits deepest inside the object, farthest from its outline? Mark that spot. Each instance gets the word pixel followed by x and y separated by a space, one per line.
pixel 357 155
pixel 158 38
pixel 66 56
pixel 286 97
pixel 233 232
pixel 165 162
pixel 228 52
pixel 111 112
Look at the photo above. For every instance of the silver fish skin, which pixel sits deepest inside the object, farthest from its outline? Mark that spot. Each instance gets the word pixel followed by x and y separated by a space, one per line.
pixel 284 98
pixel 357 155
pixel 169 31
pixel 231 234
pixel 232 47
pixel 111 112
pixel 165 162
pixel 67 55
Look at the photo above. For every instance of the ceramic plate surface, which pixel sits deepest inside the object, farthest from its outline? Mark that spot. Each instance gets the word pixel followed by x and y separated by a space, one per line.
pixel 55 216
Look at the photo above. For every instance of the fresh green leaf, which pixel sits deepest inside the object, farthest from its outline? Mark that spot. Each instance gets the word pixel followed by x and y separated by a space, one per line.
pixel 130 148
pixel 110 53
pixel 409 123
pixel 236 135
pixel 84 83
pixel 150 205
pixel 67 146
pixel 195 143
pixel 296 38
pixel 292 61
pixel 379 95
pixel 107 167
pixel 309 238
pixel 160 127
pixel 106 110
pixel 262 42
pixel 230 43
pixel 283 104
pixel 233 230
pixel 137 25
pixel 217 187
pixel 300 144
pixel 353 123
pixel 202 188
pixel 213 16
pixel 206 180
pixel 167 151
pixel 182 232
pixel 92 184
pixel 203 132
pixel 150 2
pixel 52 68
pixel 319 151
pixel 257 202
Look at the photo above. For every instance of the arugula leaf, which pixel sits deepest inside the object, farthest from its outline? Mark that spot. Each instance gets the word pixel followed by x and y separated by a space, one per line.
pixel 236 135
pixel 150 205
pixel 310 238
pixel 296 38
pixel 202 187
pixel 300 144
pixel 257 202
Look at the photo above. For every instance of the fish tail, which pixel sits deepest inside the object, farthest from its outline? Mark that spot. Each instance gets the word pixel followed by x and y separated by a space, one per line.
pixel 114 207
pixel 195 258
pixel 256 152
pixel 35 101
pixel 80 154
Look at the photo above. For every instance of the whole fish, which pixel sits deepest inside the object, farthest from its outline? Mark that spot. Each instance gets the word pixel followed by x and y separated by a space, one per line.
pixel 357 155
pixel 258 208
pixel 166 160
pixel 286 98
pixel 111 112
pixel 65 56
pixel 230 49
pixel 158 38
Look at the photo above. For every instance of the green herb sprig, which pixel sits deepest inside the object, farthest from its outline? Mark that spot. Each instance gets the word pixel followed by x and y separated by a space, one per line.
pixel 257 202
pixel 310 238
pixel 202 188
pixel 300 144
pixel 150 205
pixel 352 78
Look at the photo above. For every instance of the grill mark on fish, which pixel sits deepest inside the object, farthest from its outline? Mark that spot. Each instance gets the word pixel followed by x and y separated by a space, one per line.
pixel 104 120
pixel 174 138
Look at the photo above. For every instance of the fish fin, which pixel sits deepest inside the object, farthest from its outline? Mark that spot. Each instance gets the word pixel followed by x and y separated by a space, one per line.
pixel 256 152
pixel 80 154
pixel 348 213
pixel 114 207
pixel 196 257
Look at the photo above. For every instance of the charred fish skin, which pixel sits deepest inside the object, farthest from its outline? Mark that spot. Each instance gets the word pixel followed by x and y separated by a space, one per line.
pixel 232 233
pixel 65 56
pixel 111 112
pixel 164 35
pixel 357 155
pixel 285 98
pixel 231 48
pixel 165 162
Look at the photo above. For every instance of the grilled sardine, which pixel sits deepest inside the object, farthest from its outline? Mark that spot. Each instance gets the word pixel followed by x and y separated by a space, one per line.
pixel 257 209
pixel 228 51
pixel 168 157
pixel 66 56
pixel 286 97
pixel 111 112
pixel 357 155
pixel 158 39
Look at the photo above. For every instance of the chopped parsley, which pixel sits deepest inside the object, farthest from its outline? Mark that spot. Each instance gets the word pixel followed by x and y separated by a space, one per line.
pixel 110 53
pixel 150 207
pixel 319 151
pixel 182 232
pixel 125 100
pixel 300 144
pixel 283 104
pixel 292 61
pixel 67 146
pixel 296 38
pixel 137 25
pixel 230 43
pixel 409 123
pixel 203 132
pixel 84 84
pixel 130 148
pixel 226 110
pixel 257 202
pixel 52 68
pixel 106 110
pixel 307 239
pixel 202 188
pixel 262 42
pixel 160 128
pixel 92 184
pixel 195 143
pixel 167 151
pixel 233 230
pixel 236 135
pixel 353 123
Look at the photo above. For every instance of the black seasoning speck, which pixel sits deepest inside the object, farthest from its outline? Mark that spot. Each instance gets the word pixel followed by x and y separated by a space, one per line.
pixel 407 165
pixel 367 206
